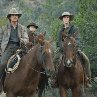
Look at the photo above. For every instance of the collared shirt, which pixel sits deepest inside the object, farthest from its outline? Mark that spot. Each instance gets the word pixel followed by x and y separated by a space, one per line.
pixel 14 35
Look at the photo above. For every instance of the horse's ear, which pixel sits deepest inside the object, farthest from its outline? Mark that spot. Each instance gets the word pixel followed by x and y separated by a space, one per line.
pixel 36 38
pixel 75 35
pixel 44 33
pixel 64 35
pixel 51 40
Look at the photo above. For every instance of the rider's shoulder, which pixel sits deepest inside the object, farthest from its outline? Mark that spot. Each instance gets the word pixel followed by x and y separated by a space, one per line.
pixel 61 28
pixel 74 27
pixel 20 25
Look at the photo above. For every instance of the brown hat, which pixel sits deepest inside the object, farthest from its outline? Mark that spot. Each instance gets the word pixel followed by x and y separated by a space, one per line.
pixel 32 24
pixel 13 11
pixel 66 14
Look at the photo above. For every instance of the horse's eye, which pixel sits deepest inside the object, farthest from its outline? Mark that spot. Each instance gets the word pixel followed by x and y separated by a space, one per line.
pixel 73 54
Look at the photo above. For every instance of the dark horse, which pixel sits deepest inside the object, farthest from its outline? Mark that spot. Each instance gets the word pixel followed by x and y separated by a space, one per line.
pixel 24 81
pixel 70 73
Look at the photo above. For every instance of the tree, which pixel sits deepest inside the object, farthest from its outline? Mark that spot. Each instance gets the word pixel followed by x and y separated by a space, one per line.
pixel 86 21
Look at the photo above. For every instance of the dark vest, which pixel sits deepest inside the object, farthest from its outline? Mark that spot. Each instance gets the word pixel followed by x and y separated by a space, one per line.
pixel 14 35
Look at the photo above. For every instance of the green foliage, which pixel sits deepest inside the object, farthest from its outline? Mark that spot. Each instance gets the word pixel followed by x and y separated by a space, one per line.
pixel 87 23
pixel 2 21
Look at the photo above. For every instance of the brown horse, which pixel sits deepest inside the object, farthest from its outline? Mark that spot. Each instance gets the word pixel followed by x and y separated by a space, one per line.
pixel 24 81
pixel 70 73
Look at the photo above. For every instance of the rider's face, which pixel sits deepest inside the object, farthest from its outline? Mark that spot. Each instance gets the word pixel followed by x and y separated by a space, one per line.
pixel 66 19
pixel 32 28
pixel 14 18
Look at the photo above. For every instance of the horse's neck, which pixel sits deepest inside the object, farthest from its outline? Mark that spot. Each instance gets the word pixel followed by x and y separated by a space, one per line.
pixel 78 59
pixel 30 59
pixel 78 64
pixel 34 57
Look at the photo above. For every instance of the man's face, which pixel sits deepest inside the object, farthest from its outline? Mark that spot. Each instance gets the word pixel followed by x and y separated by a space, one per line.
pixel 66 19
pixel 14 18
pixel 32 28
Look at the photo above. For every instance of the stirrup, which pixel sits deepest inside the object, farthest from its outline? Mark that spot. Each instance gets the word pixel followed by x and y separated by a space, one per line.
pixel 88 84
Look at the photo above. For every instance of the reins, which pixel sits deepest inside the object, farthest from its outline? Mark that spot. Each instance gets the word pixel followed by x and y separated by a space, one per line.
pixel 41 63
pixel 39 71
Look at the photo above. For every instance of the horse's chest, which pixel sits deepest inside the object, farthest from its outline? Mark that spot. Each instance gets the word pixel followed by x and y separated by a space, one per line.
pixel 68 80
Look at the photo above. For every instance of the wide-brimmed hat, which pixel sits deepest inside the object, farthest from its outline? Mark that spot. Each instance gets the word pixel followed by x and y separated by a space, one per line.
pixel 13 11
pixel 32 24
pixel 67 14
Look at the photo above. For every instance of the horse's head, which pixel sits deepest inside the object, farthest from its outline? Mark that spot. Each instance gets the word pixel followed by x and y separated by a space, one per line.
pixel 45 54
pixel 70 50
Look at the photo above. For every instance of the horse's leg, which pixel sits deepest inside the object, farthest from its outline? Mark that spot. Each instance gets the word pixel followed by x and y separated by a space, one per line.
pixel 34 95
pixel 31 95
pixel 77 91
pixel 82 89
pixel 10 94
pixel 40 91
pixel 63 91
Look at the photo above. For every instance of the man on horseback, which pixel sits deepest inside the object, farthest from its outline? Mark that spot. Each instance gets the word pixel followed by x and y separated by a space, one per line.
pixel 32 27
pixel 11 37
pixel 70 29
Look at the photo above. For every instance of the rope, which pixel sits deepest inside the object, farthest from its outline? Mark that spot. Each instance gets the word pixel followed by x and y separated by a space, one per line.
pixel 11 70
pixel 39 71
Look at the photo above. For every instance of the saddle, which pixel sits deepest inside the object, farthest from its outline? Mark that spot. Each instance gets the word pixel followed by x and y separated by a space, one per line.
pixel 14 61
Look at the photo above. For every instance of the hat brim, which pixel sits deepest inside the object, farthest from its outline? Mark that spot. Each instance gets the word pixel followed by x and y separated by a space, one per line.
pixel 32 25
pixel 71 17
pixel 8 16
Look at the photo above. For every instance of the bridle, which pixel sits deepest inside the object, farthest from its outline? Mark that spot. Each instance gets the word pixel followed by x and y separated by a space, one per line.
pixel 41 57
pixel 68 62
